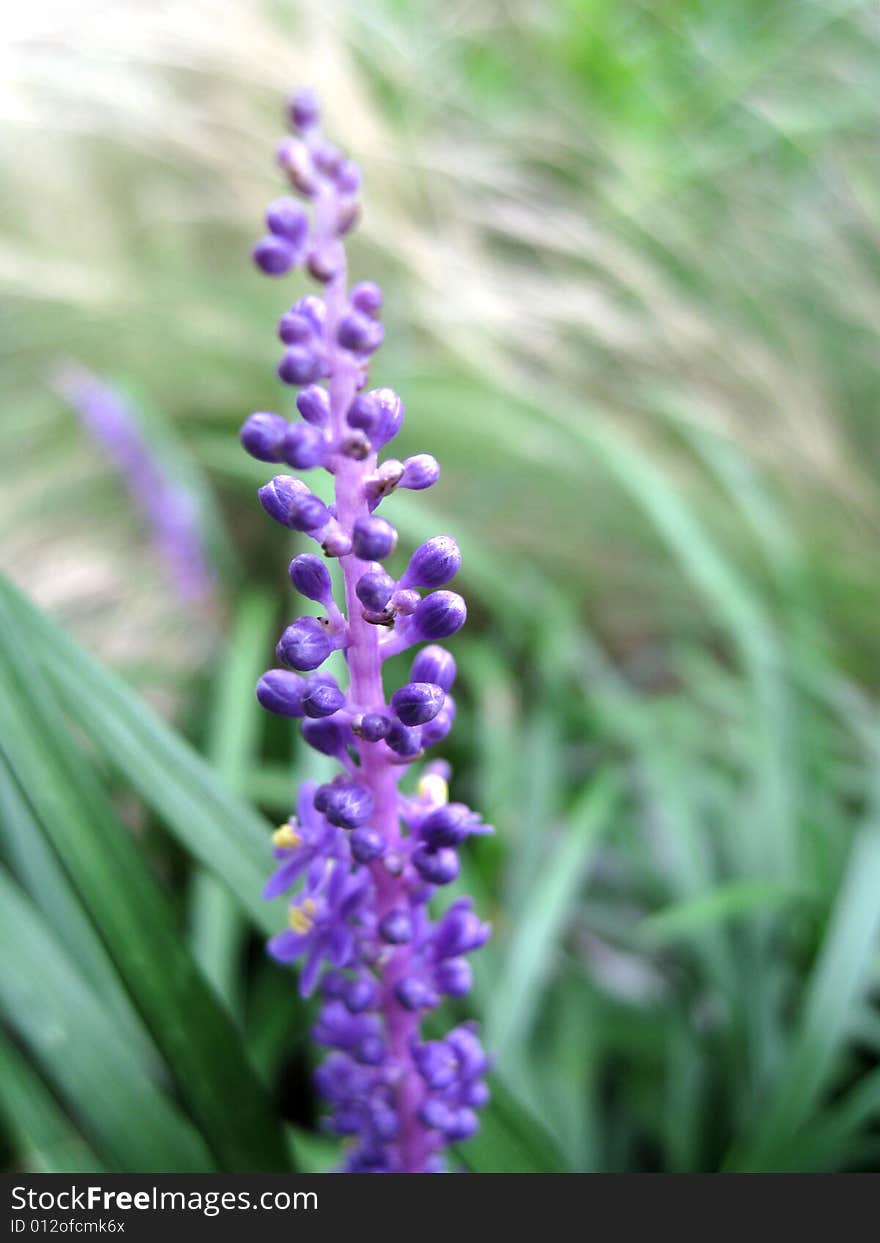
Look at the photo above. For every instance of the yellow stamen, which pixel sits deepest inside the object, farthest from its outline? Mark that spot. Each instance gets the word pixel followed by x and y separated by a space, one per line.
pixel 301 918
pixel 433 789
pixel 286 837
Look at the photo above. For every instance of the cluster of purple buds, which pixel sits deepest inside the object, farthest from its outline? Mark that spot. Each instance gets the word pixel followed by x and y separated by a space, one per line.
pixel 363 858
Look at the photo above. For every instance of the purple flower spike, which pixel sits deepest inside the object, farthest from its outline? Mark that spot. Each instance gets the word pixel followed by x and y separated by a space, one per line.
pixel 362 859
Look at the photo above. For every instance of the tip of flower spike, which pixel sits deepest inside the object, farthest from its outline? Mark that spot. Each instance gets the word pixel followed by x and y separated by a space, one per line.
pixel 303 110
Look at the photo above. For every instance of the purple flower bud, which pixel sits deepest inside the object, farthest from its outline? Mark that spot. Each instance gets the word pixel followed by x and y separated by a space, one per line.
pixel 293 156
pixel 262 435
pixel 435 1114
pixel 454 977
pixel 468 1050
pixel 348 178
pixel 281 691
pixel 433 563
pixel 374 590
pixel 373 539
pixel 333 985
pixel 405 602
pixel 361 994
pixel 476 1094
pixel 302 109
pixel 414 994
pixel 383 481
pixel 311 578
pixel 304 446
pixel 289 502
pixel 335 542
pixel 325 261
pixel 384 1122
pixel 437 867
pixel 391 418
pixel 295 329
pixel 364 413
pixel 322 698
pixel 434 664
pixel 367 298
pixel 438 616
pixel 300 365
pixel 374 727
pixel 328 735
pixel 436 1063
pixel 305 645
pixel 403 739
pixel 447 825
pixel 359 333
pixel 273 255
pixel 396 928
pixel 378 413
pixel 462 1125
pixel 313 403
pixel 420 472
pixel 287 220
pixel 435 731
pixel 417 702
pixel 347 804
pixel 371 1051
pixel 367 844
pixel 459 931
pixel 327 157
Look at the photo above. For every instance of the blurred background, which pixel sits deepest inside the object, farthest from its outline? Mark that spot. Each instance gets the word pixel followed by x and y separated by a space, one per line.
pixel 629 254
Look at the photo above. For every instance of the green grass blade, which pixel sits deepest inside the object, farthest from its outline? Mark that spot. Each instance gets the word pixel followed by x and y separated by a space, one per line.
pixel 76 1041
pixel 216 926
pixel 835 986
pixel 195 1036
pixel 212 825
pixel 555 888
pixel 511 1140
pixel 47 1141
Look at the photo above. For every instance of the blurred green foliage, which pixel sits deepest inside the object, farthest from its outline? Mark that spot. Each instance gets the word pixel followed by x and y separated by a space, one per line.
pixel 629 253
